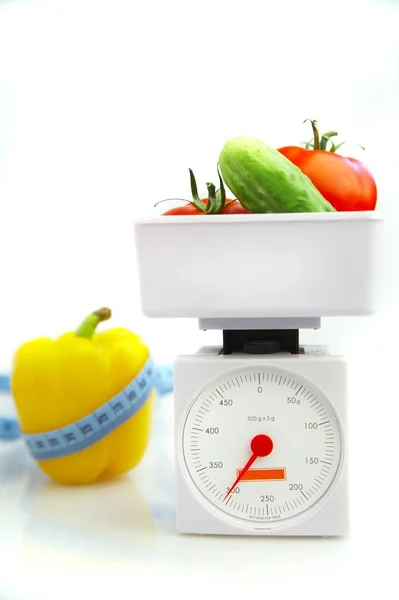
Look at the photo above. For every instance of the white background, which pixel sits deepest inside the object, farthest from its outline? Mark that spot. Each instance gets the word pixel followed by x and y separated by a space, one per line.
pixel 103 107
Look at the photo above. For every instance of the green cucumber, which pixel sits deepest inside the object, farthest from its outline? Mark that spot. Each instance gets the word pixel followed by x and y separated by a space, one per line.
pixel 265 181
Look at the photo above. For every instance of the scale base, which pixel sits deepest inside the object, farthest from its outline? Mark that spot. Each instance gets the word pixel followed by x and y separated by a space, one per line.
pixel 193 516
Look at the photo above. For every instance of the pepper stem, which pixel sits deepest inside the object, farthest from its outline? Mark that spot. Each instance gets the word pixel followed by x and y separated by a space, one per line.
pixel 87 327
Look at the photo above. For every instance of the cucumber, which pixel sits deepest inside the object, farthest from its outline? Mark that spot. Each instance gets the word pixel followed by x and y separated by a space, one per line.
pixel 265 181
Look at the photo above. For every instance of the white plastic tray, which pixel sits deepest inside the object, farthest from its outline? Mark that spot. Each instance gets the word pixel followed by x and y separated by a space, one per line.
pixel 259 265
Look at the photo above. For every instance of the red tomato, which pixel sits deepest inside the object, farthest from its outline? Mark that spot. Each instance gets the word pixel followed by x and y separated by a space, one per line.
pixel 345 182
pixel 236 209
pixel 190 209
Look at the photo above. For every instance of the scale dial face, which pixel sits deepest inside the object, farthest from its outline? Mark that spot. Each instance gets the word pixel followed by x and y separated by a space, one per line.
pixel 262 446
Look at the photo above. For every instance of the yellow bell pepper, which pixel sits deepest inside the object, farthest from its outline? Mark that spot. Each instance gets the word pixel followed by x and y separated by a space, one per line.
pixel 68 391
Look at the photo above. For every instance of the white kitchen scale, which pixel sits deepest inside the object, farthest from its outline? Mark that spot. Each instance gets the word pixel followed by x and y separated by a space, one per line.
pixel 260 420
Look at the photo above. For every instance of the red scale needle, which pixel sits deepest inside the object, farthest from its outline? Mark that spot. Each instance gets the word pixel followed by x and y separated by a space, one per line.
pixel 261 445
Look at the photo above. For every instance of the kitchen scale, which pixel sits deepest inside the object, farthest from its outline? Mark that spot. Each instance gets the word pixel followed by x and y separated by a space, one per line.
pixel 260 419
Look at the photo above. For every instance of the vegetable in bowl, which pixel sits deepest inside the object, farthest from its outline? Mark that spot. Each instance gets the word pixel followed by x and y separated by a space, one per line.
pixel 215 203
pixel 289 179
pixel 346 182
pixel 265 181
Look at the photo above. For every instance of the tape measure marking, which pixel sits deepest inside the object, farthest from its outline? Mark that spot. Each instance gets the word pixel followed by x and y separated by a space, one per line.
pixel 9 429
pixel 89 430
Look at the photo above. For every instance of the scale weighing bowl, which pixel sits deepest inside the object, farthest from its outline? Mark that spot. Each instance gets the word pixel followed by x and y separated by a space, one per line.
pixel 288 265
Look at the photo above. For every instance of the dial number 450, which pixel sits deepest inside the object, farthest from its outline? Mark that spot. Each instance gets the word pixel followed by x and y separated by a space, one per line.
pixel 226 402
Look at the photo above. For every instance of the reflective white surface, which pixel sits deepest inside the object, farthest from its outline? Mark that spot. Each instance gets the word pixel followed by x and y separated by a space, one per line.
pixel 103 107
pixel 54 540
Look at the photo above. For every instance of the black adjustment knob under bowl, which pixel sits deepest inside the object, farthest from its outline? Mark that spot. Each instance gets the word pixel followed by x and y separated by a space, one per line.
pixel 261 347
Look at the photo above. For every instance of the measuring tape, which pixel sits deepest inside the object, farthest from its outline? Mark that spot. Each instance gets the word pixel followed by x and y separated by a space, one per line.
pixel 94 427
pixel 4 383
pixel 9 427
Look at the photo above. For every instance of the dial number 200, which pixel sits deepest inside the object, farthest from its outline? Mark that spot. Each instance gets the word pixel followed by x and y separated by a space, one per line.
pixel 296 486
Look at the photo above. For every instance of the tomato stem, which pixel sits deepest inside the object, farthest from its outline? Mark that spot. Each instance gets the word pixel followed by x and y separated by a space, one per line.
pixel 320 143
pixel 316 136
pixel 222 191
pixel 172 200
pixel 216 201
pixel 212 200
pixel 175 200
pixel 347 142
pixel 194 192
pixel 325 138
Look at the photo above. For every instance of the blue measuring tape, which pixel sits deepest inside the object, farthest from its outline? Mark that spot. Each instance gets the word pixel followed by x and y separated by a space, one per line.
pixel 89 430
pixel 4 383
pixel 9 429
